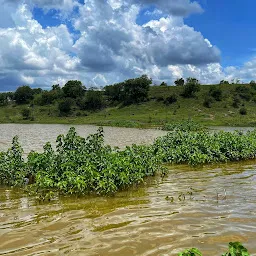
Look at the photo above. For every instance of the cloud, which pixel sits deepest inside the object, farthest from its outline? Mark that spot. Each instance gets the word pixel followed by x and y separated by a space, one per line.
pixel 31 54
pixel 110 47
pixel 173 7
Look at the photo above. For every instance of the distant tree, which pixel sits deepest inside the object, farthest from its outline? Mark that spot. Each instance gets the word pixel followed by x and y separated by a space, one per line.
pixel 37 91
pixel 26 113
pixel 215 93
pixel 136 90
pixel 93 100
pixel 171 99
pixel 190 88
pixel 65 106
pixel 3 99
pixel 115 92
pixel 179 82
pixel 163 84
pixel 243 92
pixel 208 100
pixel 56 87
pixel 252 82
pixel 236 101
pixel 130 91
pixel 224 82
pixel 23 94
pixel 73 89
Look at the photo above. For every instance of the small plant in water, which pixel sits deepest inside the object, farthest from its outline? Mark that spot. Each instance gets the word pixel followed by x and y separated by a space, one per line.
pixel 235 249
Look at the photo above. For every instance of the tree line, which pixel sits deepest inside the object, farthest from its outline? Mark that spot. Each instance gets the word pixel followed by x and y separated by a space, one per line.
pixel 74 95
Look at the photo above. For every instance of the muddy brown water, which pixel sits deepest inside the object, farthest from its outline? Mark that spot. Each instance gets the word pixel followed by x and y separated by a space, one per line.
pixel 207 207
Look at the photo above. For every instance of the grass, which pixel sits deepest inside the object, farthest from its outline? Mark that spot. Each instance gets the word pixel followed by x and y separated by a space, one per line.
pixel 152 113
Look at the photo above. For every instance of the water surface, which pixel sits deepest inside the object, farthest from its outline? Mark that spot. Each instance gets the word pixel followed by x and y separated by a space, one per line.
pixel 34 136
pixel 206 208
pixel 140 221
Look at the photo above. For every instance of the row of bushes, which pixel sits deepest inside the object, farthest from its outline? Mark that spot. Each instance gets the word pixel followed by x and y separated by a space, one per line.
pixel 88 166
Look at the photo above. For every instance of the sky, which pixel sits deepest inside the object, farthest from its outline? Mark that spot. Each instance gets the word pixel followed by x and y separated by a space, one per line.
pixel 101 42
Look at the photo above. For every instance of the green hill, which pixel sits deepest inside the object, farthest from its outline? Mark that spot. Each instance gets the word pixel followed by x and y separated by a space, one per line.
pixel 236 107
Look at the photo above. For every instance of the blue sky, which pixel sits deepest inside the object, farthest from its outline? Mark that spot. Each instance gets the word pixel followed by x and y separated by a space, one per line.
pixel 230 25
pixel 105 41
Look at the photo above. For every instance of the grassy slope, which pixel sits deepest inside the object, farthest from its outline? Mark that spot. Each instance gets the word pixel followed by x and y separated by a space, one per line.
pixel 148 114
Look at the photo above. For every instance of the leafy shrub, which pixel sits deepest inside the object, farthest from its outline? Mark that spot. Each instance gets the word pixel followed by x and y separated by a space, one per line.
pixel 170 99
pixel 187 125
pixel 190 88
pixel 235 249
pixel 215 93
pixel 79 166
pixel 243 92
pixel 203 147
pixel 93 100
pixel 160 98
pixel 208 100
pixel 179 82
pixel 236 101
pixel 26 113
pixel 23 94
pixel 243 111
pixel 65 106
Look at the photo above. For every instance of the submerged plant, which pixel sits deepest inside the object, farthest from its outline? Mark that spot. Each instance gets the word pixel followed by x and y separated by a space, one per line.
pixel 185 126
pixel 235 249
pixel 191 252
pixel 79 166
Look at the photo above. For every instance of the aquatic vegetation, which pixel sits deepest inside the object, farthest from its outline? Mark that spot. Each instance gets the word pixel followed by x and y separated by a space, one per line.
pixel 84 166
pixel 185 126
pixel 204 147
pixel 78 166
pixel 235 249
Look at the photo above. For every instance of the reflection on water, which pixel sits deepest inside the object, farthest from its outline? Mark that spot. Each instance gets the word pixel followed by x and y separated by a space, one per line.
pixel 34 136
pixel 141 221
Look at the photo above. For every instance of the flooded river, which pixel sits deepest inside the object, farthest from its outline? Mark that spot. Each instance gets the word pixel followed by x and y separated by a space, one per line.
pixel 207 207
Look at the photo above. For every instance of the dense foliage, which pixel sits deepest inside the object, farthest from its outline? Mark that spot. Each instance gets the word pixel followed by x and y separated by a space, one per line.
pixel 191 87
pixel 185 125
pixel 78 166
pixel 130 91
pixel 235 249
pixel 204 147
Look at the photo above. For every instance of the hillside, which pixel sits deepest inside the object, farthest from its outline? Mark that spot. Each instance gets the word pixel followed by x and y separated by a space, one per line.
pixel 153 112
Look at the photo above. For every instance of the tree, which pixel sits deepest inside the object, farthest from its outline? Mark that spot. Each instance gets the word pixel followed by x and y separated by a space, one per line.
pixel 93 100
pixel 224 82
pixel 170 99
pixel 179 82
pixel 73 89
pixel 3 99
pixel 56 87
pixel 26 113
pixel 215 93
pixel 65 106
pixel 136 90
pixel 190 88
pixel 115 92
pixel 243 92
pixel 23 94
pixel 163 84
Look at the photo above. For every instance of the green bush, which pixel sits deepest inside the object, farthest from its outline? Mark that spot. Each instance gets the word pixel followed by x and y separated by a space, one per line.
pixel 65 106
pixel 191 87
pixel 235 249
pixel 243 111
pixel 216 93
pixel 26 113
pixel 171 99
pixel 79 166
pixel 208 100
